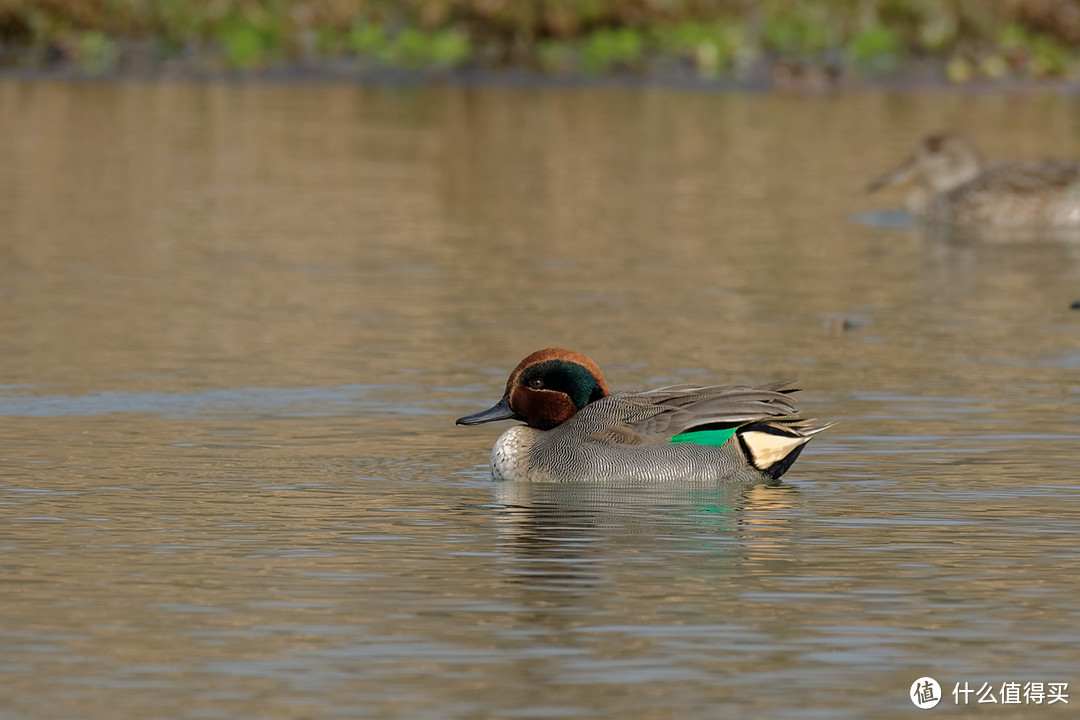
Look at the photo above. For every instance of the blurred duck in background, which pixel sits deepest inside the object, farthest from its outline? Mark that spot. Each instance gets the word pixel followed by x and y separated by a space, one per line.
pixel 950 183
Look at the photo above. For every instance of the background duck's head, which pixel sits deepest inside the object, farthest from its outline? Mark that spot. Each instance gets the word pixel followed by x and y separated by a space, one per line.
pixel 940 162
pixel 546 389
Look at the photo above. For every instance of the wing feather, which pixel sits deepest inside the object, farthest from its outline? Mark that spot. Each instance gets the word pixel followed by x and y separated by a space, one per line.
pixel 1032 177
pixel 655 416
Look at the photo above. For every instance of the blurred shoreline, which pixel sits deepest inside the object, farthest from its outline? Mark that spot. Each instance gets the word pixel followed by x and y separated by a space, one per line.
pixel 724 45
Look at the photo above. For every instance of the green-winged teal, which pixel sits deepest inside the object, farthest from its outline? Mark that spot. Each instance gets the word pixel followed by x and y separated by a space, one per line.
pixel 952 184
pixel 576 430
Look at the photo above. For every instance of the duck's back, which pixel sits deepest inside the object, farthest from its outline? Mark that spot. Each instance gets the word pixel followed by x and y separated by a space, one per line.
pixel 1021 194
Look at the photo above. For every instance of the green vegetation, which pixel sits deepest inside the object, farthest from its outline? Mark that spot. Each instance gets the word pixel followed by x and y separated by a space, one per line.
pixel 958 40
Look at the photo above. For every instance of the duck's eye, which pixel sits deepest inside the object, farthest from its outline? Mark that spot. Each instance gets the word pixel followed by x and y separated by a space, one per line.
pixel 536 383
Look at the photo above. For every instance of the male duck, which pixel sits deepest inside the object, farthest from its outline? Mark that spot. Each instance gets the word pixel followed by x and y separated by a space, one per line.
pixel 577 430
pixel 954 185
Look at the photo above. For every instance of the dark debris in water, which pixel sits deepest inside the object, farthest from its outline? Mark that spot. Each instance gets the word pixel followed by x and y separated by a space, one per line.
pixel 840 324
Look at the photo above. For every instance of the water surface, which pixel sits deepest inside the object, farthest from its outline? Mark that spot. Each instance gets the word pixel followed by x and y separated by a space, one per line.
pixel 239 321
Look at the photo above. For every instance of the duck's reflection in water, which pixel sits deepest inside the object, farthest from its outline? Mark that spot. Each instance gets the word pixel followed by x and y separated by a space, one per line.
pixel 574 538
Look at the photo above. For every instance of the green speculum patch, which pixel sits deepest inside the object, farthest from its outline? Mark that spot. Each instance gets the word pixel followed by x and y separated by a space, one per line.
pixel 705 437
